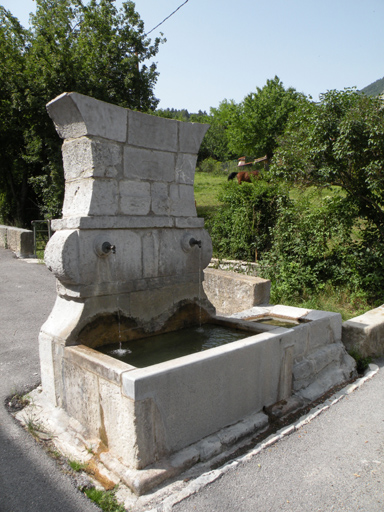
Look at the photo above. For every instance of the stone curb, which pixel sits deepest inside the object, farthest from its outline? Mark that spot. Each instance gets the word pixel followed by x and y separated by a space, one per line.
pixel 209 477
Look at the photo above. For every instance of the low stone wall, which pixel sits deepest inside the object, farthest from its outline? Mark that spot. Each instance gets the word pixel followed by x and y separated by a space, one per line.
pixel 230 291
pixel 365 333
pixel 20 241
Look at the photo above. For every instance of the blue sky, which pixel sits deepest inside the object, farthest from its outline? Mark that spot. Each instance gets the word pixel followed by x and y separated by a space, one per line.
pixel 221 49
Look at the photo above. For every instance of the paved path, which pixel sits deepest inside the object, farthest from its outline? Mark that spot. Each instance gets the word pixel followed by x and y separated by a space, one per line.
pixel 29 480
pixel 335 463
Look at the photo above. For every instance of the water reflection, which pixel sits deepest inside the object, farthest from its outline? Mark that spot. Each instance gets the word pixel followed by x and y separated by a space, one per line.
pixel 164 347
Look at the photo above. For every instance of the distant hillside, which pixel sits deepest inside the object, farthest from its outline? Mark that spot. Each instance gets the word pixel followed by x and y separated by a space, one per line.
pixel 375 88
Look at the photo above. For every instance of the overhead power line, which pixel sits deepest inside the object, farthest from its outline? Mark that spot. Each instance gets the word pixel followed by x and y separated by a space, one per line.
pixel 167 18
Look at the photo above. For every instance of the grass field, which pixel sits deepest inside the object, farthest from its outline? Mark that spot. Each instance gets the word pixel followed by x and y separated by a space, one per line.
pixel 207 189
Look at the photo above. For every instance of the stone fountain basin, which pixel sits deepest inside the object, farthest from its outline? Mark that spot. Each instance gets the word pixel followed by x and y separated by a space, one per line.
pixel 154 422
pixel 146 414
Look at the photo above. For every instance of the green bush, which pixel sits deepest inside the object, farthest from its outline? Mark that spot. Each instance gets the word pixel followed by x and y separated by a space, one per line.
pixel 241 227
pixel 210 165
pixel 318 245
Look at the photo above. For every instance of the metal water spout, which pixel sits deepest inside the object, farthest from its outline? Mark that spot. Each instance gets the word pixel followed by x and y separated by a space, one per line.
pixel 193 242
pixel 102 247
pixel 107 248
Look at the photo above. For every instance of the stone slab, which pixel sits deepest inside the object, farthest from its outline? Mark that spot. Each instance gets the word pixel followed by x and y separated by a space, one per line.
pixel 320 360
pixel 113 222
pixel 147 131
pixel 192 404
pixel 3 237
pixel 76 115
pixel 20 241
pixel 230 292
pixel 365 333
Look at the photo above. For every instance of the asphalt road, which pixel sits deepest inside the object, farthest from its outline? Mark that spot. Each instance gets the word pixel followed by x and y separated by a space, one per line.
pixel 30 481
pixel 334 463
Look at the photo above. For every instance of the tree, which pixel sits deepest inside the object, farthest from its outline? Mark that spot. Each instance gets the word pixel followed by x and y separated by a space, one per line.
pixel 216 142
pixel 258 121
pixel 13 174
pixel 172 113
pixel 93 49
pixel 339 142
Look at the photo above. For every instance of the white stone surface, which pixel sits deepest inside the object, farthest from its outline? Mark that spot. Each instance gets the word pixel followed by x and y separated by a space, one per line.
pixel 161 203
pixel 152 132
pixel 47 367
pixel 122 222
pixel 289 312
pixel 20 241
pixel 230 292
pixel 85 157
pixel 320 360
pixel 182 200
pixel 190 137
pixel 147 164
pixel 365 333
pixel 185 168
pixel 76 115
pixel 135 198
pixel 192 404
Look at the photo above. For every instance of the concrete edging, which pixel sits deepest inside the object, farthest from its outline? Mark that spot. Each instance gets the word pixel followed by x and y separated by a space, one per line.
pixel 20 241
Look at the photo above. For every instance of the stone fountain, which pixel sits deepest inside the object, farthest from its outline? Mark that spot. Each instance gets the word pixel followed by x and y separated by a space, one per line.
pixel 128 255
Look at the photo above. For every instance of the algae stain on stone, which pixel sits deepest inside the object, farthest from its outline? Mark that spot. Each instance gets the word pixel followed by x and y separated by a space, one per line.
pixel 102 430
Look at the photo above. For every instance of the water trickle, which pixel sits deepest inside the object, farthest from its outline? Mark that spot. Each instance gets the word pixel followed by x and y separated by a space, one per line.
pixel 120 352
pixel 200 285
pixel 118 306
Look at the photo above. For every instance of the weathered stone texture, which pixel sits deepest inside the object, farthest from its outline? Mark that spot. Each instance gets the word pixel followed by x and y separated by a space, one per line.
pixel 193 405
pixel 85 157
pixel 20 241
pixel 3 237
pixel 76 115
pixel 365 333
pixel 145 132
pixel 146 164
pixel 320 360
pixel 135 198
pixel 230 292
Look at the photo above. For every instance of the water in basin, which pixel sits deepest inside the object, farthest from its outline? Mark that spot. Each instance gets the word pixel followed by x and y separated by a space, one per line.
pixel 276 321
pixel 164 347
pixel 279 322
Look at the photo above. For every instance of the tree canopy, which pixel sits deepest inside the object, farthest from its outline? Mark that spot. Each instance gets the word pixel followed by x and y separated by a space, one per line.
pixel 250 128
pixel 260 118
pixel 340 142
pixel 91 48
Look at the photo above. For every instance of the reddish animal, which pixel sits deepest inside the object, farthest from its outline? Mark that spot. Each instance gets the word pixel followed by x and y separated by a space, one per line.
pixel 244 176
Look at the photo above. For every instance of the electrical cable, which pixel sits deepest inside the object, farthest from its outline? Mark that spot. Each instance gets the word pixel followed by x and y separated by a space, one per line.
pixel 165 19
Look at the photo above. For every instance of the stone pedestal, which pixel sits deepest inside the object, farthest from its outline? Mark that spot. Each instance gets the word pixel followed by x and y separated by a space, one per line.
pixel 124 253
